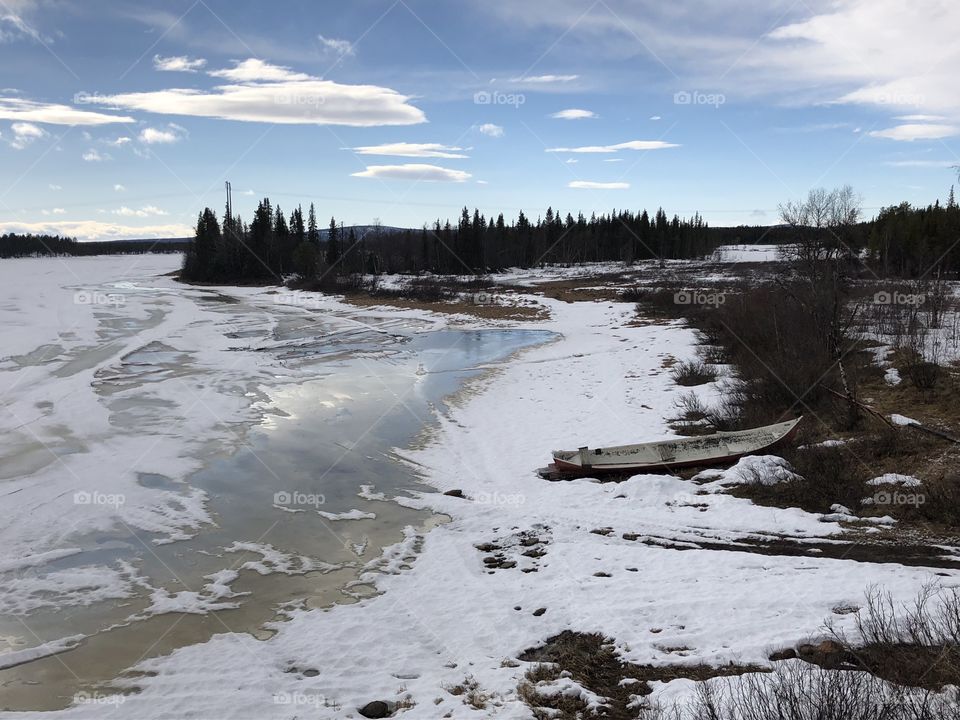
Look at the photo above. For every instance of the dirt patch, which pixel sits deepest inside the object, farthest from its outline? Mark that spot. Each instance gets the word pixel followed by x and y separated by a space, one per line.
pixel 893 551
pixel 591 661
pixel 607 287
pixel 486 311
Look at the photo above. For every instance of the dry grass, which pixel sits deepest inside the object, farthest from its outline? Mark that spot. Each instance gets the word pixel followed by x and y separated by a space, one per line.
pixel 690 373
pixel 470 692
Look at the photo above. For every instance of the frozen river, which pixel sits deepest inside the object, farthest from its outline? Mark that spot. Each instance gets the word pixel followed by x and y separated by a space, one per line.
pixel 177 462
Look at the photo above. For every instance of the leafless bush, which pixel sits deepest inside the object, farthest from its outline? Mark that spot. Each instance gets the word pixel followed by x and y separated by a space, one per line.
pixel 714 354
pixel 425 289
pixel 798 691
pixel 692 372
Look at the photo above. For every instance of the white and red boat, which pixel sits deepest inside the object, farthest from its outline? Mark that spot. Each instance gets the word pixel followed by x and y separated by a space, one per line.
pixel 675 453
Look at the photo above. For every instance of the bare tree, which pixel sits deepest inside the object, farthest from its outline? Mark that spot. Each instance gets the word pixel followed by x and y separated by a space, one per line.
pixel 820 259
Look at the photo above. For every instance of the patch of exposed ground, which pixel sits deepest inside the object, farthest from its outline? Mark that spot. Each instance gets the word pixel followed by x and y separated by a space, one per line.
pixel 614 688
pixel 521 550
pixel 869 550
pixel 494 310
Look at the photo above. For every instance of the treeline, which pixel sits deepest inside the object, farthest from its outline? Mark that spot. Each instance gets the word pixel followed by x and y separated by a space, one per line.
pixel 275 245
pixel 910 242
pixel 12 245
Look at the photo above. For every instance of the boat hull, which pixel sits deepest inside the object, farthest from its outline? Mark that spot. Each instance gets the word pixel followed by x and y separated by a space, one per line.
pixel 674 454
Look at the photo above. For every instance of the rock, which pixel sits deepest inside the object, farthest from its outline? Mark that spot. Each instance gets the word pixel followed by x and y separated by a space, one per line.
pixel 785 654
pixel 539 611
pixel 601 574
pixel 828 654
pixel 375 709
pixel 311 672
pixel 454 493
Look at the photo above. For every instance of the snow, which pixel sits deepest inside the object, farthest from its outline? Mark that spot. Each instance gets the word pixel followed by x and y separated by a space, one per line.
pixel 439 613
pixel 18 657
pixel 902 420
pixel 761 469
pixel 347 515
pixel 746 253
pixel 895 479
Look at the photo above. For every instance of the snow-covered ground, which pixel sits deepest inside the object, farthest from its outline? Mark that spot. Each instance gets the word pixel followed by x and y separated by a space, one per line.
pixel 442 614
pixel 747 253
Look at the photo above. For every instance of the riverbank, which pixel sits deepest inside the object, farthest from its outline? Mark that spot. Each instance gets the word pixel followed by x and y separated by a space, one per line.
pixel 661 565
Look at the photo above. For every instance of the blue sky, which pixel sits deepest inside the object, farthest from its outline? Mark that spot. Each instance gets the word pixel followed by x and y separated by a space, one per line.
pixel 124 119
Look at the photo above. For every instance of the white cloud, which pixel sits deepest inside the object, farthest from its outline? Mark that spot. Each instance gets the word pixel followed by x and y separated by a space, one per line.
pixel 629 145
pixel 12 108
pixel 178 63
pixel 14 27
pixel 544 79
pixel 655 117
pixel 55 187
pixel 54 211
pixel 589 185
pixel 414 171
pixel 119 142
pixel 340 47
pixel 146 211
pixel 96 230
pixel 924 163
pixel 920 118
pixel 883 53
pixel 613 159
pixel 119 188
pixel 167 136
pixel 571 161
pixel 261 92
pixel 405 149
pixel 24 134
pixel 254 70
pixel 491 130
pixel 917 131
pixel 92 155
pixel 574 114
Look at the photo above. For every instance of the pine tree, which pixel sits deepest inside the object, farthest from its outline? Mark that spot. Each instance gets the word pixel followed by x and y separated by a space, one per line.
pixel 313 234
pixel 333 246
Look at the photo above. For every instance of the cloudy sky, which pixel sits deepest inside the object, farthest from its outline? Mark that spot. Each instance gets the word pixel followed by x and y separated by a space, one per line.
pixel 124 119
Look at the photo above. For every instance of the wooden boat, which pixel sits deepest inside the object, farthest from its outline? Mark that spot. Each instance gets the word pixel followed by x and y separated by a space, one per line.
pixel 675 453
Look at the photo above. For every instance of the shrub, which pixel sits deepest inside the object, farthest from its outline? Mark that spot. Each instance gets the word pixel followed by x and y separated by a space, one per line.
pixel 692 372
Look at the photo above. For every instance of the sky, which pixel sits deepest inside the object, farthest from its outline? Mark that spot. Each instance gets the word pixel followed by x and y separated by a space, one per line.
pixel 124 119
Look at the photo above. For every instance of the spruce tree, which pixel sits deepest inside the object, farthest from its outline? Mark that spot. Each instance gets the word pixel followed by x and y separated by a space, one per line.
pixel 313 234
pixel 333 246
